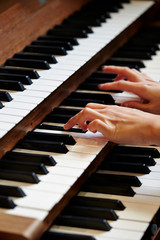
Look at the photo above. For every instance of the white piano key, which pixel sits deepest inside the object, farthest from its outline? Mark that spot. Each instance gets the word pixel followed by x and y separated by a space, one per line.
pixel 135 210
pixel 5 126
pixel 114 233
pixel 9 118
pixel 74 67
pixel 3 132
pixel 44 88
pixel 34 93
pixel 65 171
pixel 15 112
pixel 148 191
pixel 26 212
pixel 26 99
pixel 41 186
pixel 20 105
pixel 38 200
pixel 86 149
pixel 72 160
pixel 54 72
pixel 58 179
pixel 129 225
pixel 84 139
pixel 52 76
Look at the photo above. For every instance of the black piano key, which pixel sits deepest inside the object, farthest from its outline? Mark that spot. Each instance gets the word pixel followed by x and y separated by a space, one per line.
pixel 137 150
pixel 91 15
pixel 133 54
pixel 22 176
pixel 49 235
pixel 103 75
pixel 59 128
pixel 30 157
pixel 88 21
pixel 1 105
pixel 97 9
pixel 47 57
pixel 123 63
pixel 68 33
pixel 5 96
pixel 126 167
pixel 6 190
pixel 20 71
pixel 83 222
pixel 45 49
pixel 96 96
pixel 79 102
pixel 74 27
pixel 98 202
pixel 71 23
pixel 134 42
pixel 6 202
pixel 136 158
pixel 91 212
pixel 70 111
pixel 23 166
pixel 28 63
pixel 58 118
pixel 65 45
pixel 108 189
pixel 42 145
pixel 94 87
pixel 106 98
pixel 65 138
pixel 72 40
pixel 98 80
pixel 11 85
pixel 16 77
pixel 114 179
pixel 89 86
pixel 129 47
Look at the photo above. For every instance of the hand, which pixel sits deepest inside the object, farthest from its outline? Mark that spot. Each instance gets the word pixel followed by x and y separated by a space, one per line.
pixel 137 83
pixel 118 124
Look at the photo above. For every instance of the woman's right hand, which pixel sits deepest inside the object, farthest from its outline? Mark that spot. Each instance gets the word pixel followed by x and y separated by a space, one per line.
pixel 137 83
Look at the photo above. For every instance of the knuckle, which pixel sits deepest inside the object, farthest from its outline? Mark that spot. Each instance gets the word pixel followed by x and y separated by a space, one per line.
pixel 126 69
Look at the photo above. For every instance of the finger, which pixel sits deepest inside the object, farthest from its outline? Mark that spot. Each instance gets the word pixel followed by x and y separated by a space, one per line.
pixel 100 126
pixel 119 77
pixel 96 106
pixel 137 105
pixel 82 117
pixel 144 77
pixel 124 86
pixel 124 71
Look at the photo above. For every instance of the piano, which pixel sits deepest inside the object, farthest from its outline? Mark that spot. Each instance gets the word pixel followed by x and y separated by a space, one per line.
pixel 47 52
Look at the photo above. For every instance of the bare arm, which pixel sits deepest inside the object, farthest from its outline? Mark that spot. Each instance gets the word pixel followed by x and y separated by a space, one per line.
pixel 119 124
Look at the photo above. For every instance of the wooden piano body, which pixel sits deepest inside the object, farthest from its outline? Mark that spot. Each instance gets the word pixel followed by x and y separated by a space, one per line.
pixel 21 22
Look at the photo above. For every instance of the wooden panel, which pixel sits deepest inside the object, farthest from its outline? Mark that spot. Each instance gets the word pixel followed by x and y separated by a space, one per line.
pixel 23 21
pixel 20 228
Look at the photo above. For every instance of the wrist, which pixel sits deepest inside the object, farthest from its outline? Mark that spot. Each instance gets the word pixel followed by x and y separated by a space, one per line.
pixel 155 131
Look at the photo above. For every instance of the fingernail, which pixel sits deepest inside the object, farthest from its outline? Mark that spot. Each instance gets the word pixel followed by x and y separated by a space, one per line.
pixel 104 66
pixel 65 126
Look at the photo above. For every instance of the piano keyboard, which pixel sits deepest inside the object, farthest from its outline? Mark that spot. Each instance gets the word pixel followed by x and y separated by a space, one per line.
pixel 132 221
pixel 50 182
pixel 25 101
